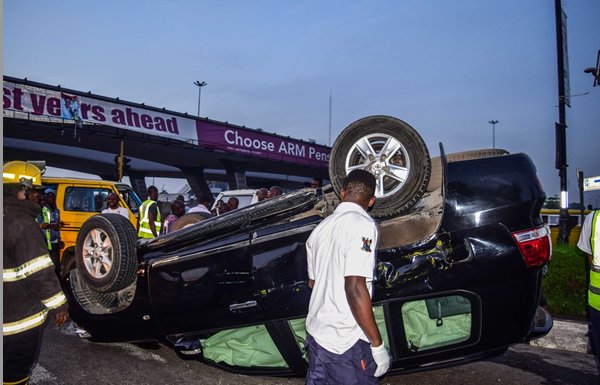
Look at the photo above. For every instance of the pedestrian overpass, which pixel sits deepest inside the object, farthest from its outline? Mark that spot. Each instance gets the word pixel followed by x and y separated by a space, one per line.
pixel 85 132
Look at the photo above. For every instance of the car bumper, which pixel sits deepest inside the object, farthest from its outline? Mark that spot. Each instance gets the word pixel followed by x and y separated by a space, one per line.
pixel 542 324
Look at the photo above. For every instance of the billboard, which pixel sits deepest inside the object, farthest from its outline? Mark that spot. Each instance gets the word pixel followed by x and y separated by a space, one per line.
pixel 592 183
pixel 41 102
pixel 52 104
pixel 254 143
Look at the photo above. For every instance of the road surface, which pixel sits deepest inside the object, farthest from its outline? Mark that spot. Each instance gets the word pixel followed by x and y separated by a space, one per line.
pixel 67 359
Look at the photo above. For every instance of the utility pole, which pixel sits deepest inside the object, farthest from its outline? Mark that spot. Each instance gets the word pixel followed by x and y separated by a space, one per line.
pixel 120 163
pixel 561 126
pixel 581 202
pixel 493 123
pixel 200 85
pixel 595 71
pixel 330 103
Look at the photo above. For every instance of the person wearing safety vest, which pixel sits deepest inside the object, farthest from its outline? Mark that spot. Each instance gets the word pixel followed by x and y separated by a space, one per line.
pixel 589 242
pixel 31 289
pixel 43 217
pixel 53 226
pixel 149 221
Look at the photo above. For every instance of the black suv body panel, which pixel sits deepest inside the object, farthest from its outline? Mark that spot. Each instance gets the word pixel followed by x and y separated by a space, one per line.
pixel 251 270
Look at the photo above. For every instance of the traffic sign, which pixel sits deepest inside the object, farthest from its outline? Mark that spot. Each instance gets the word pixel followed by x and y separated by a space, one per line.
pixel 592 183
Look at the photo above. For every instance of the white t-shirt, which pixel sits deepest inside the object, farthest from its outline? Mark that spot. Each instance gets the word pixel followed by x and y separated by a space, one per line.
pixel 342 245
pixel 585 235
pixel 199 209
pixel 119 210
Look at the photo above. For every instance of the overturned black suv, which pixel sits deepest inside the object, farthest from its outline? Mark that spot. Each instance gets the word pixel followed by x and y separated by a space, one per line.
pixel 460 263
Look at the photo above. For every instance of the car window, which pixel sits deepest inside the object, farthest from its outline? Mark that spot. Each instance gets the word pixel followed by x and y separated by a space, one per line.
pixel 436 322
pixel 130 197
pixel 238 341
pixel 50 186
pixel 245 200
pixel 85 199
pixel 298 328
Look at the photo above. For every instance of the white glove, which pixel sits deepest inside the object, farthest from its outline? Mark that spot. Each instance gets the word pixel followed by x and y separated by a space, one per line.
pixel 381 358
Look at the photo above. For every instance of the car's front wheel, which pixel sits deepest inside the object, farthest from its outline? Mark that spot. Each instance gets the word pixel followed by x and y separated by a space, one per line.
pixel 393 152
pixel 105 252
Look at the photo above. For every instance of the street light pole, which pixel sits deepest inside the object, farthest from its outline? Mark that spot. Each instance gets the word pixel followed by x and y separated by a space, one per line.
pixel 561 127
pixel 493 123
pixel 200 85
pixel 595 71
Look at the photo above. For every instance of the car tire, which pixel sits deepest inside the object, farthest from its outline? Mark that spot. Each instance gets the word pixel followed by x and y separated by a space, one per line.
pixel 105 252
pixel 390 149
pixel 189 219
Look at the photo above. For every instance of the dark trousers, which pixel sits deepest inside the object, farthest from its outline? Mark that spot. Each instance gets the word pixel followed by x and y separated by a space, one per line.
pixel 353 367
pixel 20 354
pixel 595 335
pixel 55 257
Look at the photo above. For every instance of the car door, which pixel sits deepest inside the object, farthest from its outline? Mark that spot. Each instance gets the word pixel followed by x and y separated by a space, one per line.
pixel 279 258
pixel 206 288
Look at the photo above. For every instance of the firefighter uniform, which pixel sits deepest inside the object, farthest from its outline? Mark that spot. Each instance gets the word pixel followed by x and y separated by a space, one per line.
pixel 30 288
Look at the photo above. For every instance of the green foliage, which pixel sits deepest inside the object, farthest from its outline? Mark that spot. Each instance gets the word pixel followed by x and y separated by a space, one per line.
pixel 565 285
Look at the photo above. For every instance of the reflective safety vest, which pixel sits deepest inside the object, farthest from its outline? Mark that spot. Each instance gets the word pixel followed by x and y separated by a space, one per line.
pixel 15 276
pixel 46 219
pixel 144 231
pixel 594 287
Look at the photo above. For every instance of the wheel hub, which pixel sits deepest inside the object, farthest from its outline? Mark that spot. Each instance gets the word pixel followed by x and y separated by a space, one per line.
pixel 97 253
pixel 377 168
pixel 383 156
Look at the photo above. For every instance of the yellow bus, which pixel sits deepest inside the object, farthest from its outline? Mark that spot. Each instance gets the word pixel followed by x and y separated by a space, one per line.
pixel 551 216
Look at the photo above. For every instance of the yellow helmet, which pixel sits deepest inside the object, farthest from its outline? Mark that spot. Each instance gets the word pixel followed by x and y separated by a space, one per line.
pixel 22 173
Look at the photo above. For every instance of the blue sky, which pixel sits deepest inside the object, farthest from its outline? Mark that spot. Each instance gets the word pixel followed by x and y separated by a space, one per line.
pixel 445 67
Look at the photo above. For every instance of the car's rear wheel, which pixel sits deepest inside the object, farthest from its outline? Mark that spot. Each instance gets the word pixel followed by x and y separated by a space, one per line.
pixel 105 252
pixel 393 152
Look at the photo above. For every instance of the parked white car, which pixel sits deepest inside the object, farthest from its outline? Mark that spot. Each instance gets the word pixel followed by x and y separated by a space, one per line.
pixel 246 197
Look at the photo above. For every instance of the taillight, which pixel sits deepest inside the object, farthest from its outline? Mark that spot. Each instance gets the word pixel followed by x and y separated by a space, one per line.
pixel 535 245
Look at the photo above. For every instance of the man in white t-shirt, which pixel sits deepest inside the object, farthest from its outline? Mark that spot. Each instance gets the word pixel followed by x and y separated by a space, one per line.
pixel 344 344
pixel 113 206
pixel 202 207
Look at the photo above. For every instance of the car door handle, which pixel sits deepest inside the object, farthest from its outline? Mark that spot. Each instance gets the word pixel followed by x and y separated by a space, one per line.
pixel 241 306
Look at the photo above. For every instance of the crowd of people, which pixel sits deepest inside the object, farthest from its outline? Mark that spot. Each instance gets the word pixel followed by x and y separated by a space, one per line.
pixel 150 222
pixel 203 206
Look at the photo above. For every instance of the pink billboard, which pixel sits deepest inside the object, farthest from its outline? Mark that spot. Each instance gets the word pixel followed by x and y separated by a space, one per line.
pixel 252 143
